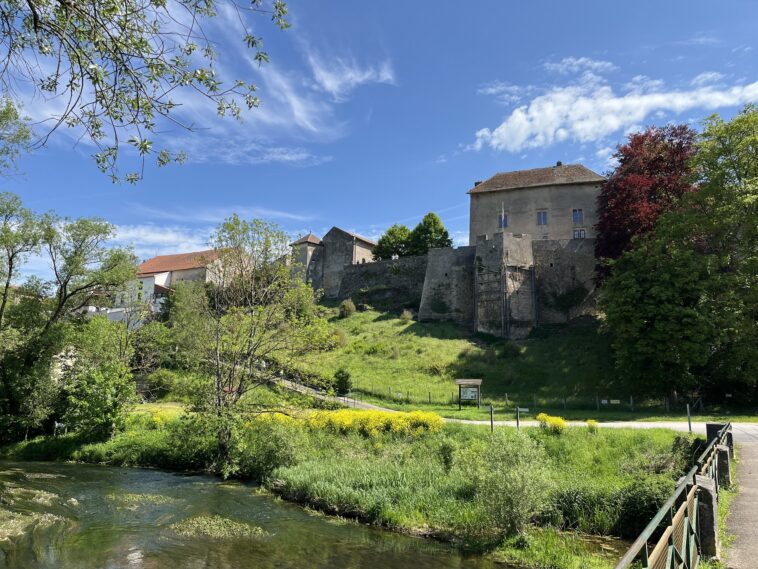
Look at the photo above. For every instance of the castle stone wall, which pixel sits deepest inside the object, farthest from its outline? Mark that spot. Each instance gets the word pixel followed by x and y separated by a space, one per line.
pixel 565 272
pixel 448 292
pixel 399 281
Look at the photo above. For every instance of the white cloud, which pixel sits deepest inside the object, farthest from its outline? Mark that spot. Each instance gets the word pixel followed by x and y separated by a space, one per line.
pixel 507 93
pixel 215 215
pixel 340 76
pixel 707 78
pixel 569 65
pixel 590 112
pixel 148 240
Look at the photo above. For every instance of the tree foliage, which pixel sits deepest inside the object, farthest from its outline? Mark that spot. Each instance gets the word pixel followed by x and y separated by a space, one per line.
pixel 85 270
pixel 394 242
pixel 428 234
pixel 118 66
pixel 254 316
pixel 652 174
pixel 682 305
pixel 15 134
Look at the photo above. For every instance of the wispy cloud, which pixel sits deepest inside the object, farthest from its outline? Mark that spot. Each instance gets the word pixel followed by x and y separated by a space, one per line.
pixel 214 215
pixel 591 111
pixel 506 93
pixel 339 76
pixel 148 240
pixel 707 78
pixel 569 65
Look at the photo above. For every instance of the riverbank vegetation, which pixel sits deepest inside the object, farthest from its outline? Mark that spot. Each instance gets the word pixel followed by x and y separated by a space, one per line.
pixel 524 496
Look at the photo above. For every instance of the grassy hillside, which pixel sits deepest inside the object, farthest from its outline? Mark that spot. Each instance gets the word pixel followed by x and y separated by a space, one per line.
pixel 563 370
pixel 393 361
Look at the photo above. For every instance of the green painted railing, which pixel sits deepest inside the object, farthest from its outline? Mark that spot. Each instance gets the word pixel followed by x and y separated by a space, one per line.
pixel 670 540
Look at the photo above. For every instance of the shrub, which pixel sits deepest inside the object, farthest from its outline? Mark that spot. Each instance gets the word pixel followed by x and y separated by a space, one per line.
pixel 264 444
pixel 406 315
pixel 592 426
pixel 639 502
pixel 160 383
pixel 510 350
pixel 347 308
pixel 374 423
pixel 553 425
pixel 343 383
pixel 337 338
pixel 511 479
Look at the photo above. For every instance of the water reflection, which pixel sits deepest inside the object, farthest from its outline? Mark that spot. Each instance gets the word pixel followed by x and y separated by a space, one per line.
pixel 88 517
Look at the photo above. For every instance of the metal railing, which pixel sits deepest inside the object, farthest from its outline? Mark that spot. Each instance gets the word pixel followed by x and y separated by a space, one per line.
pixel 671 539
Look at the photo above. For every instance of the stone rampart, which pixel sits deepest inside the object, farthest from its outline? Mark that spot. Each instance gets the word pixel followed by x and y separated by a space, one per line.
pixel 394 281
pixel 448 292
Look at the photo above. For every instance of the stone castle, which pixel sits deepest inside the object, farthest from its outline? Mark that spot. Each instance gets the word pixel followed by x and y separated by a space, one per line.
pixel 530 258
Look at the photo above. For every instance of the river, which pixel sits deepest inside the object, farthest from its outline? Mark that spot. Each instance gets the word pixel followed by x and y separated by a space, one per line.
pixel 67 516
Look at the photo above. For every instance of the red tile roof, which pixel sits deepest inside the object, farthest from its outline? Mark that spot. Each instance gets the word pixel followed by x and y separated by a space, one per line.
pixel 310 238
pixel 553 176
pixel 180 262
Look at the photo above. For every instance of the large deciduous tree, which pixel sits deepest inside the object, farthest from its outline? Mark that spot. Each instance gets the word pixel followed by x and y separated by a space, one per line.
pixel 85 270
pixel 652 174
pixel 394 242
pixel 682 305
pixel 253 317
pixel 116 67
pixel 428 234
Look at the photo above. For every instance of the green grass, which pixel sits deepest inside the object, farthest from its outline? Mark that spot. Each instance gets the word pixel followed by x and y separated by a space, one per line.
pixel 403 365
pixel 423 484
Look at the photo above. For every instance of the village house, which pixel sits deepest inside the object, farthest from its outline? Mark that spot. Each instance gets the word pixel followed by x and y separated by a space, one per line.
pixel 557 203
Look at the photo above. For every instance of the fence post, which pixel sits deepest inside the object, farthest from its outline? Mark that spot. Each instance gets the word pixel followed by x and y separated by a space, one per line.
pixel 707 513
pixel 518 417
pixel 689 418
pixel 430 398
pixel 492 419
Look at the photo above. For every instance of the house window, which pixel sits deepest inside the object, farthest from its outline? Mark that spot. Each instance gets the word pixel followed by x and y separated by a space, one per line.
pixel 580 233
pixel 502 220
pixel 577 215
pixel 541 218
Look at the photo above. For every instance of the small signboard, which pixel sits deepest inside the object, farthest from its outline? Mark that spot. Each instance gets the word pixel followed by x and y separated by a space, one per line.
pixel 522 409
pixel 469 393
pixel 469 390
pixel 615 401
pixel 604 402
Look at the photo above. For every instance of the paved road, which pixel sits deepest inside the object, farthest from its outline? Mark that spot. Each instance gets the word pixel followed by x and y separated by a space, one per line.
pixel 742 522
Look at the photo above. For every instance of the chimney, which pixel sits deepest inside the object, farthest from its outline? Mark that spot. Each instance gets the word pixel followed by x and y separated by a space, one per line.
pixel 559 163
pixel 477 183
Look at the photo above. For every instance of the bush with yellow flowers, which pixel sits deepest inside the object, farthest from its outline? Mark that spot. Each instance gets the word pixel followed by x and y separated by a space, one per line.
pixel 554 425
pixel 373 423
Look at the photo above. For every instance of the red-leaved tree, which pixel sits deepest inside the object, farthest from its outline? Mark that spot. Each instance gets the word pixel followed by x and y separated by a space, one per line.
pixel 652 174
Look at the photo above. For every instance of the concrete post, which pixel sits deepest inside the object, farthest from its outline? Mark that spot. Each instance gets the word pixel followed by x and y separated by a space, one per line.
pixel 707 513
pixel 725 473
pixel 712 430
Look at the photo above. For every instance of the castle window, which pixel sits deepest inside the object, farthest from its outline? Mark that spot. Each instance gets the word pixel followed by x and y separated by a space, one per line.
pixel 502 220
pixel 580 234
pixel 577 215
pixel 541 218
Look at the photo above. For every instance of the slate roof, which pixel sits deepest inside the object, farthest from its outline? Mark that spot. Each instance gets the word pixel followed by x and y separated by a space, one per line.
pixel 180 262
pixel 552 176
pixel 353 235
pixel 310 238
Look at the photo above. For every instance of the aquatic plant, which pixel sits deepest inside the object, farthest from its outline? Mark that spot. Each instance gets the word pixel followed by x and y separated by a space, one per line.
pixel 217 527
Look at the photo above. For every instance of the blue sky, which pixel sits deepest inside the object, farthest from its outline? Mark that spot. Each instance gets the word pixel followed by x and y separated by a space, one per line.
pixel 375 113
